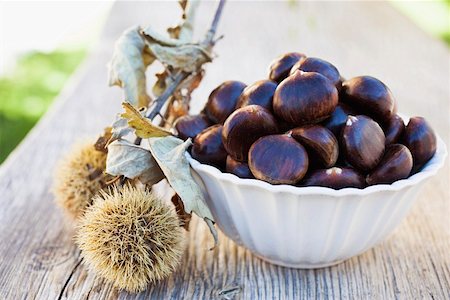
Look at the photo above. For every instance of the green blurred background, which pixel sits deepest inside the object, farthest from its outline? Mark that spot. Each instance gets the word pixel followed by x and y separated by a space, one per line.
pixel 28 89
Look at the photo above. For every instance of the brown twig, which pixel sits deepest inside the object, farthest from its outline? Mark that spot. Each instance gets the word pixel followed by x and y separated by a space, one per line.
pixel 159 102
pixel 209 42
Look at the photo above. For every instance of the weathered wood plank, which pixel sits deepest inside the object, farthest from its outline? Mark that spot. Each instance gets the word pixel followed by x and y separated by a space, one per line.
pixel 38 259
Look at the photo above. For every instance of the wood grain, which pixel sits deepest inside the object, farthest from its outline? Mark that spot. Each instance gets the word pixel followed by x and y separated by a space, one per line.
pixel 38 259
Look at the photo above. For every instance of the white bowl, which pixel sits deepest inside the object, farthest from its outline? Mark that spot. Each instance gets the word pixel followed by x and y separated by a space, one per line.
pixel 308 227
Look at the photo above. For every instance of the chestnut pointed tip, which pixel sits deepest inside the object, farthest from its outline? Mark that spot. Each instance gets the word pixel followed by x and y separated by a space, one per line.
pixel 335 178
pixel 279 68
pixel 420 139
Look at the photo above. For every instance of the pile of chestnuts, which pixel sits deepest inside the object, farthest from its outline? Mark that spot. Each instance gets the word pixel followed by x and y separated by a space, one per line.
pixel 307 126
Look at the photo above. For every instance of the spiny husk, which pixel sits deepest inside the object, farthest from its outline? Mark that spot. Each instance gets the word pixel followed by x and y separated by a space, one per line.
pixel 130 238
pixel 78 177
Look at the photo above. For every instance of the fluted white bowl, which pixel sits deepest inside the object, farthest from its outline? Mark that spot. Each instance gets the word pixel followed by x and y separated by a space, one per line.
pixel 308 227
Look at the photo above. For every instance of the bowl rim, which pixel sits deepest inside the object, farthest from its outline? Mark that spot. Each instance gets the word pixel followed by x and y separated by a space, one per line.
pixel 429 169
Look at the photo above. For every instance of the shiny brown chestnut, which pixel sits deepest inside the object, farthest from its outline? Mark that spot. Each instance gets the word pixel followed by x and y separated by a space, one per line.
pixel 320 143
pixel 240 169
pixel 396 164
pixel 243 127
pixel 370 96
pixel 189 126
pixel 335 178
pixel 338 117
pixel 279 68
pixel 420 139
pixel 394 129
pixel 363 142
pixel 314 64
pixel 259 93
pixel 305 98
pixel 222 101
pixel 278 159
pixel 208 147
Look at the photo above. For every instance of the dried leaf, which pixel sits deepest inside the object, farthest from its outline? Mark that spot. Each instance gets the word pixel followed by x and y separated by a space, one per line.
pixel 174 32
pixel 187 57
pixel 184 217
pixel 120 129
pixel 184 30
pixel 127 67
pixel 169 152
pixel 192 82
pixel 102 141
pixel 143 126
pixel 132 161
pixel 179 104
pixel 163 80
pixel 176 108
pixel 153 37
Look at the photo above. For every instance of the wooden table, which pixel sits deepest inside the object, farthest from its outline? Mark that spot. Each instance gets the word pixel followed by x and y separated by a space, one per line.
pixel 38 258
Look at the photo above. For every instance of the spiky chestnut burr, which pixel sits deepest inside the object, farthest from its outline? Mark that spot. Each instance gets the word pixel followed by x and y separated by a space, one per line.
pixel 130 238
pixel 79 176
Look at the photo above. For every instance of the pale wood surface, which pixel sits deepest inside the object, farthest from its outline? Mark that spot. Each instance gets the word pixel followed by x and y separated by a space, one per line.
pixel 38 259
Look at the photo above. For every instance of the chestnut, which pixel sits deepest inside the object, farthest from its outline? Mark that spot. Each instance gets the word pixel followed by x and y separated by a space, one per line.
pixel 321 144
pixel 313 64
pixel 338 117
pixel 420 139
pixel 278 159
pixel 396 164
pixel 259 93
pixel 208 147
pixel 335 178
pixel 363 142
pixel 305 98
pixel 223 100
pixel 283 125
pixel 369 95
pixel 243 127
pixel 279 68
pixel 394 129
pixel 240 169
pixel 189 126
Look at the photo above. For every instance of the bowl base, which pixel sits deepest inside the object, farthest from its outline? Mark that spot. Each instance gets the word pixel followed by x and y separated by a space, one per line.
pixel 301 265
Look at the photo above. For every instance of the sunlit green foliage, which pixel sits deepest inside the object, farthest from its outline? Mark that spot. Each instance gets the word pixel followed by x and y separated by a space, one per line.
pixel 431 16
pixel 27 92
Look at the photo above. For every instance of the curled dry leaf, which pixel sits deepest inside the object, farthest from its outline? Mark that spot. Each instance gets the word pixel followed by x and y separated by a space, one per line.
pixel 184 217
pixel 153 37
pixel 120 129
pixel 179 53
pixel 187 57
pixel 163 80
pixel 183 31
pixel 132 161
pixel 179 104
pixel 102 141
pixel 127 67
pixel 143 127
pixel 169 152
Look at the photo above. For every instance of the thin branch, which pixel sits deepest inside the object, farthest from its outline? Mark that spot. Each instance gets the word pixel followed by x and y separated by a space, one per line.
pixel 209 42
pixel 161 100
